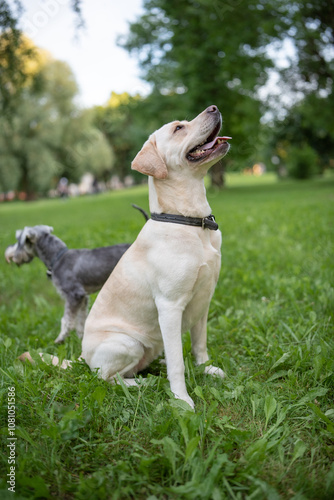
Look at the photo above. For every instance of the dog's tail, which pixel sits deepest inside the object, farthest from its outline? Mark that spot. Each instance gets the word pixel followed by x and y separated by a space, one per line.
pixel 145 214
pixel 26 357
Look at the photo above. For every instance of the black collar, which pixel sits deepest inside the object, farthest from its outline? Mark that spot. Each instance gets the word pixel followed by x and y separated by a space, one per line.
pixel 205 222
pixel 54 260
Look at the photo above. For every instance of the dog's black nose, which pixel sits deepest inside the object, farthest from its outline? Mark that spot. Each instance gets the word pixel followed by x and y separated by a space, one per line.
pixel 212 109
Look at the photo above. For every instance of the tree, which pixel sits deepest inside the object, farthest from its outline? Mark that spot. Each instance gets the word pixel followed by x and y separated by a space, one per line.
pixel 198 52
pixel 311 27
pixel 85 148
pixel 46 138
pixel 304 138
pixel 125 127
pixel 14 53
pixel 203 52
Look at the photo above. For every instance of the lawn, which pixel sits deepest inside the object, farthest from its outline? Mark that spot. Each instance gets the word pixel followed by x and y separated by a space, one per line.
pixel 265 432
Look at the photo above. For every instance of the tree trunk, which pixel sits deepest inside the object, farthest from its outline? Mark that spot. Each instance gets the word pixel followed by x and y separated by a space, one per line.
pixel 217 175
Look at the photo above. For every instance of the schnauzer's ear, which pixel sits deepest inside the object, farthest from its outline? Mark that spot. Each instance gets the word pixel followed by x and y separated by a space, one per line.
pixel 149 162
pixel 18 233
pixel 30 234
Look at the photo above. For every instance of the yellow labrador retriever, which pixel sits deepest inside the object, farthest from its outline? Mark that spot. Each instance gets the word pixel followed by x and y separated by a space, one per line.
pixel 163 284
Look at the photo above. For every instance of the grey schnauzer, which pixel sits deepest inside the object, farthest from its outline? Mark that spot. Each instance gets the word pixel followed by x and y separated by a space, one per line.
pixel 75 273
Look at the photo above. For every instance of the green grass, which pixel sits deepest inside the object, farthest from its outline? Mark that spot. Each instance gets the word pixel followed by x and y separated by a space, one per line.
pixel 265 432
pixel 234 179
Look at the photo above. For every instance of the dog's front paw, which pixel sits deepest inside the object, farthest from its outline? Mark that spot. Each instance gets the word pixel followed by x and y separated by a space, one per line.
pixel 214 371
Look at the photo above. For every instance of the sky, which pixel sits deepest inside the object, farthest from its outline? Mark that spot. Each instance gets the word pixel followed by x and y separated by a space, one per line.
pixel 99 65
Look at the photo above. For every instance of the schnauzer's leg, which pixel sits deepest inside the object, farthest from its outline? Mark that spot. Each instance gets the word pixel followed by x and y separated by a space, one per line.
pixel 73 303
pixel 81 317
pixel 67 323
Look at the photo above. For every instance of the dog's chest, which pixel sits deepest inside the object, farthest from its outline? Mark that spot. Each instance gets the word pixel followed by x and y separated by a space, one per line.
pixel 209 270
pixel 208 273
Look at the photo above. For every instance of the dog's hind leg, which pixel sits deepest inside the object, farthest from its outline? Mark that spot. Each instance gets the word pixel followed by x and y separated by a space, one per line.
pixel 73 304
pixel 67 324
pixel 118 354
pixel 81 317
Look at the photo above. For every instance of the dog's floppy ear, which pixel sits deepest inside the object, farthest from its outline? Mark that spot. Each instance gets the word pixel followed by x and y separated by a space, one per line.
pixel 29 234
pixel 149 162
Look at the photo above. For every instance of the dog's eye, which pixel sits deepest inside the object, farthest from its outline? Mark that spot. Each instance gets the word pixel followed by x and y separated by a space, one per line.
pixel 178 127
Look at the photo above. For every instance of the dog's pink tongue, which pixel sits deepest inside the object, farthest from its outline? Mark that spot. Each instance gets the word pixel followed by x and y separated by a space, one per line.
pixel 210 145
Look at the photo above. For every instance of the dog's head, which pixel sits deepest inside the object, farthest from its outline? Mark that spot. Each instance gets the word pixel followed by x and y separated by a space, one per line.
pixel 23 251
pixel 193 145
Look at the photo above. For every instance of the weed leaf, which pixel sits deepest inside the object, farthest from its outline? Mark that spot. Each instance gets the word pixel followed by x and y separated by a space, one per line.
pixel 313 394
pixel 256 451
pixel 7 375
pixel 7 342
pixel 322 416
pixel 299 450
pixel 170 450
pixel 280 374
pixel 217 394
pixel 22 433
pixel 191 447
pixel 255 403
pixel 198 391
pixel 235 393
pixel 99 394
pixel 38 485
pixel 269 407
pixel 330 478
pixel 281 360
pixel 290 331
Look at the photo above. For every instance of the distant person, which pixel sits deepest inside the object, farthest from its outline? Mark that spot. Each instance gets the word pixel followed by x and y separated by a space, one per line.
pixel 63 187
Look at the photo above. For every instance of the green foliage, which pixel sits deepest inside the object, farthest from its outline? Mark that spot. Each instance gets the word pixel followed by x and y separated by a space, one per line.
pixel 265 432
pixel 306 136
pixel 126 126
pixel 302 162
pixel 13 55
pixel 308 83
pixel 194 53
pixel 199 52
pixel 311 24
pixel 46 138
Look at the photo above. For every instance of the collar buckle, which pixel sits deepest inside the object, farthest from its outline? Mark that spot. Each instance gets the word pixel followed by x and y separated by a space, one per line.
pixel 209 222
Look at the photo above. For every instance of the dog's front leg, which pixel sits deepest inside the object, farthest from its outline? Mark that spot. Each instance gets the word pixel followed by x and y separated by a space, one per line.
pixel 199 346
pixel 170 320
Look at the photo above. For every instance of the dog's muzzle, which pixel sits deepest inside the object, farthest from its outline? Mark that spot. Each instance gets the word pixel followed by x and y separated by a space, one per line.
pixel 15 254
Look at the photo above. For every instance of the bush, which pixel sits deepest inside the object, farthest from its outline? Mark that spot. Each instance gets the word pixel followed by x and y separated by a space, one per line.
pixel 302 162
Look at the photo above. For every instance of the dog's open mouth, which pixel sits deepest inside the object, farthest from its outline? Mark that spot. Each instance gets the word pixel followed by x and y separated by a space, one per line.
pixel 206 148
